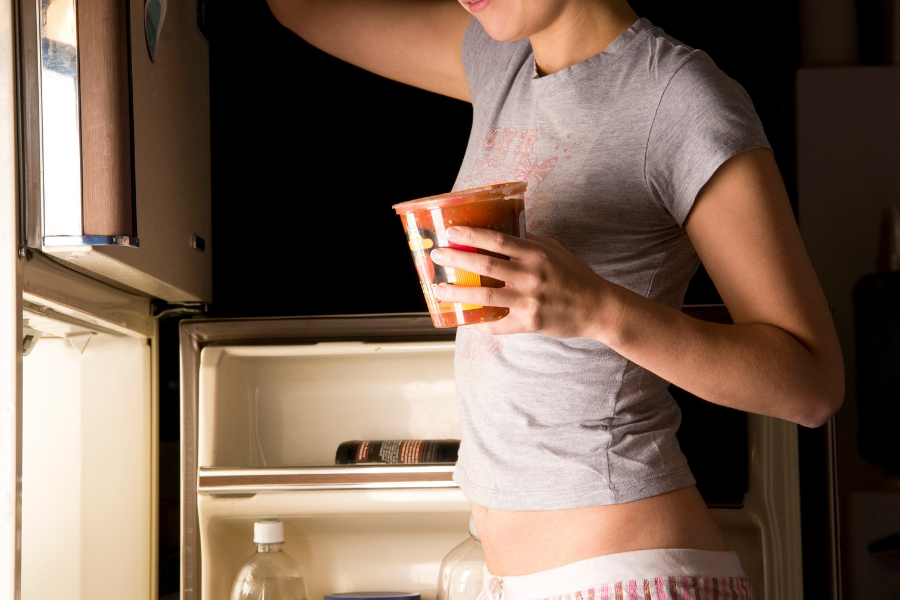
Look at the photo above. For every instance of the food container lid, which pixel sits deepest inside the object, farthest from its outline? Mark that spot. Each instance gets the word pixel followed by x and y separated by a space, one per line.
pixel 479 194
pixel 374 596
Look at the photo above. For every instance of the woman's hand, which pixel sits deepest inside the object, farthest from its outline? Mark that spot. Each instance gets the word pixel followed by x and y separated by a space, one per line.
pixel 548 289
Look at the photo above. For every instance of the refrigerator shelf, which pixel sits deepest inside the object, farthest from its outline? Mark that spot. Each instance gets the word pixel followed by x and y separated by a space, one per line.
pixel 223 481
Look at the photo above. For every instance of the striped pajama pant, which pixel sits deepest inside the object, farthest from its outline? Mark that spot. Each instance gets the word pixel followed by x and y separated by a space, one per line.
pixel 640 575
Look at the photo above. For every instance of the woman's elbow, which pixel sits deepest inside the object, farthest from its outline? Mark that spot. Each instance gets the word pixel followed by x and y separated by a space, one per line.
pixel 828 399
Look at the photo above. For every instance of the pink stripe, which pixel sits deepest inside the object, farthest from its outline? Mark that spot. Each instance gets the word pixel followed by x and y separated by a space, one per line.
pixel 633 590
pixel 660 588
pixel 604 592
pixel 685 589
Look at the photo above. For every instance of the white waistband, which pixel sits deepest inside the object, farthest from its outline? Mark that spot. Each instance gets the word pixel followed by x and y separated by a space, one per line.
pixel 625 566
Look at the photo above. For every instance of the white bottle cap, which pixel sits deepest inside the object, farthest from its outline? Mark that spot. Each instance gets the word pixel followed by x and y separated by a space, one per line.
pixel 268 532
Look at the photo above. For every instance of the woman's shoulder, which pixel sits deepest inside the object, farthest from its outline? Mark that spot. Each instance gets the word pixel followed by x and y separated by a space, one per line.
pixel 660 57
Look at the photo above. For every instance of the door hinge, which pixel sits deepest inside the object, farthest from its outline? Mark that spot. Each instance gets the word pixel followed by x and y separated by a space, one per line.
pixel 164 310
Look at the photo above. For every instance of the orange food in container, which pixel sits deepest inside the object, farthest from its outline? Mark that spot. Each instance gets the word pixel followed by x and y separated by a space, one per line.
pixel 500 207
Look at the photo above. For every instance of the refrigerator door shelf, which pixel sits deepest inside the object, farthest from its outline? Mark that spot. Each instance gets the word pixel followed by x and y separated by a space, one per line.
pixel 257 481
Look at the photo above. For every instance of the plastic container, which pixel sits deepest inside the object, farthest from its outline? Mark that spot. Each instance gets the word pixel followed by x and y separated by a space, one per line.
pixel 500 207
pixel 270 574
pixel 462 570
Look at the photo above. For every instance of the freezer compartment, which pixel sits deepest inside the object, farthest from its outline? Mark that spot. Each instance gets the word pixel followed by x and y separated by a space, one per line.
pixel 282 406
pixel 344 540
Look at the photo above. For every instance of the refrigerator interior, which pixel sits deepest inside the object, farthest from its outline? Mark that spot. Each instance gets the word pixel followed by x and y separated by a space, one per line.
pixel 87 466
pixel 271 409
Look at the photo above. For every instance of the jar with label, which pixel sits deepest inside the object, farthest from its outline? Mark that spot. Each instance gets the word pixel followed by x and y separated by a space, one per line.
pixel 462 569
pixel 396 452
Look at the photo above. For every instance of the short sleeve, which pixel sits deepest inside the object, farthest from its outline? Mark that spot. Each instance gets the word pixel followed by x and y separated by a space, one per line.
pixel 703 119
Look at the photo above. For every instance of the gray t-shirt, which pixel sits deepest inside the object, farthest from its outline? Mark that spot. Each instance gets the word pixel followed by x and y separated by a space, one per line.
pixel 614 150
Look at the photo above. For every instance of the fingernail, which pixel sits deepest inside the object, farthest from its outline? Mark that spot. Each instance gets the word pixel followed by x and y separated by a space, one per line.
pixel 452 232
pixel 436 255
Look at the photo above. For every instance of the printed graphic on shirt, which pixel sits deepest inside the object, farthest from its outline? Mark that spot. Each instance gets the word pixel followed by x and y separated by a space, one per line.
pixel 509 154
pixel 474 353
pixel 479 347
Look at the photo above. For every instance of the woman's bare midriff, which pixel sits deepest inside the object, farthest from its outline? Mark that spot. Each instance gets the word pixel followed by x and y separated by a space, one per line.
pixel 523 542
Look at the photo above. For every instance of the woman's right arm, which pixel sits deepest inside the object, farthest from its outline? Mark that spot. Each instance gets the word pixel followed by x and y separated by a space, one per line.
pixel 417 42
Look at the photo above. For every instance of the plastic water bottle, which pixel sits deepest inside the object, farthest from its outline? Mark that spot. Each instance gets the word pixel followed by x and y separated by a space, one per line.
pixel 270 574
pixel 461 572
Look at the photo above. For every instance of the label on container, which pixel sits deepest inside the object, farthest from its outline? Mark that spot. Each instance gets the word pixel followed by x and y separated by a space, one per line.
pixel 422 242
pixel 397 451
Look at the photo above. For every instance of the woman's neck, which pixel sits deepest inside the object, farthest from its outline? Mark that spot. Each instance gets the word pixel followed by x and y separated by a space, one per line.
pixel 582 30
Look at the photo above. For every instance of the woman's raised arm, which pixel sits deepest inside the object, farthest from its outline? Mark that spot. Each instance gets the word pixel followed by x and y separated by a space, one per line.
pixel 417 42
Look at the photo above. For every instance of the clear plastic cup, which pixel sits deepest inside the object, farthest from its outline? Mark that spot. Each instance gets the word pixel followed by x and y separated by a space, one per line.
pixel 500 207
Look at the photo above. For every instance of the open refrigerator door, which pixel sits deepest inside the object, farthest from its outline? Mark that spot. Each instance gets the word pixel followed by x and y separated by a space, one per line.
pixel 88 450
pixel 84 436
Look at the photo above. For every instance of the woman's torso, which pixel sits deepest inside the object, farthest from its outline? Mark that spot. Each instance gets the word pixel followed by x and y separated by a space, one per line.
pixel 572 446
pixel 524 542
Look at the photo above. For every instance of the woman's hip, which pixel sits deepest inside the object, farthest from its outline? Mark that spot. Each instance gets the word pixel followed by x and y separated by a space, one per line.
pixel 667 574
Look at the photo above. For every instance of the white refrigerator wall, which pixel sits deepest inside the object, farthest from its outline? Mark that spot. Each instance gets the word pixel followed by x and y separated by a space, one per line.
pixel 86 468
pixel 289 406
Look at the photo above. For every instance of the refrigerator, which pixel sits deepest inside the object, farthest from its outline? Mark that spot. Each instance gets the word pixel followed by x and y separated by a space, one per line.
pixel 105 223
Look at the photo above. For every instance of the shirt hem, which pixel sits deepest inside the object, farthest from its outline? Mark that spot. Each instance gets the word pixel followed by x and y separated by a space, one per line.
pixel 519 499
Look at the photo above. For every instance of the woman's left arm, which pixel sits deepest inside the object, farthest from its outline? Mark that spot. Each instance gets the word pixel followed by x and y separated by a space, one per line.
pixel 781 357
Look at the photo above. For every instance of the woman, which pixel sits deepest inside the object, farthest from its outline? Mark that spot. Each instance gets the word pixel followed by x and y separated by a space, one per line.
pixel 641 157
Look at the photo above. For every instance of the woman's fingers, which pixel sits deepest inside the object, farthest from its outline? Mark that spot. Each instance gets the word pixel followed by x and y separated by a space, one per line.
pixel 478 296
pixel 482 264
pixel 487 239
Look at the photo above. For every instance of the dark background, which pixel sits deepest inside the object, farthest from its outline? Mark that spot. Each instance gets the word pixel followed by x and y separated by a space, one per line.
pixel 309 153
